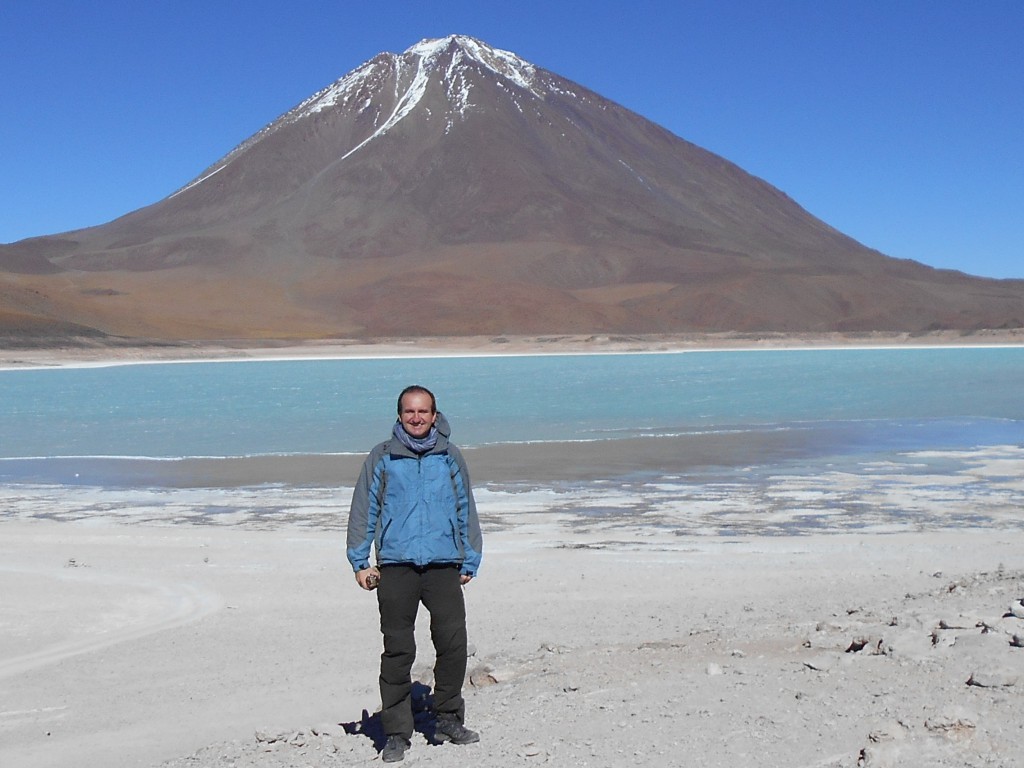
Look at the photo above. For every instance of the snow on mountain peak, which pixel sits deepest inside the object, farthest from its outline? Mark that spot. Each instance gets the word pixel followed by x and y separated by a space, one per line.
pixel 410 73
pixel 424 56
pixel 503 63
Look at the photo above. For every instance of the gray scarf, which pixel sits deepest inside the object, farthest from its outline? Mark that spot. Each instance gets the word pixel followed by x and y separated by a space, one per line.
pixel 418 445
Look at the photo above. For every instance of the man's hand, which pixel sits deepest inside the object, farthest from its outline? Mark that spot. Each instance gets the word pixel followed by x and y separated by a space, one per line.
pixel 368 578
pixel 464 579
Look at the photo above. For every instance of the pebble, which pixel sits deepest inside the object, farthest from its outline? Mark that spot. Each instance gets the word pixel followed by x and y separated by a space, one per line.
pixel 999 678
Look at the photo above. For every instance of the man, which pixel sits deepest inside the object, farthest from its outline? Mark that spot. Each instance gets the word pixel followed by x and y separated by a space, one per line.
pixel 413 502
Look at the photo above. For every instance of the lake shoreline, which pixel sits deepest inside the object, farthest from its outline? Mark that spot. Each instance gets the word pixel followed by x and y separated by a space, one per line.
pixel 91 353
pixel 533 463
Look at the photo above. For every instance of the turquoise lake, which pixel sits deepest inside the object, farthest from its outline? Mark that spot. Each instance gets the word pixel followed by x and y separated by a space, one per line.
pixel 967 396
pixel 814 440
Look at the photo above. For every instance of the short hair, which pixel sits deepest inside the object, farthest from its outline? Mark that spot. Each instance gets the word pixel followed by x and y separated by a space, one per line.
pixel 417 388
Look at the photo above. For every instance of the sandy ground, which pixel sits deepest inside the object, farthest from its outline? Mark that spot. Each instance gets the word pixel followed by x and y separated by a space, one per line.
pixel 179 645
pixel 85 352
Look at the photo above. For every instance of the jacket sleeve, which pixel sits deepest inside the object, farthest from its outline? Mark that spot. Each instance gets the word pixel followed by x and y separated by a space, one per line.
pixel 469 522
pixel 365 511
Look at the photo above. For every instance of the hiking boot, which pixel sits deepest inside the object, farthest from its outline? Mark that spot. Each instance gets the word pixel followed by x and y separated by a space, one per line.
pixel 395 749
pixel 448 728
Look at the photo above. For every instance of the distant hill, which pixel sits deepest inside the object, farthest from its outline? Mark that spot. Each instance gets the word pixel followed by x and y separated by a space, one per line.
pixel 456 189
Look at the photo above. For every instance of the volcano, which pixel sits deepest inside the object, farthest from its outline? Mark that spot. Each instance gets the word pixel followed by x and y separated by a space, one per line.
pixel 456 189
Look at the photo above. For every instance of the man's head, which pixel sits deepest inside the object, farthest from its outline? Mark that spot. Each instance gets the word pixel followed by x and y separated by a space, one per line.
pixel 417 410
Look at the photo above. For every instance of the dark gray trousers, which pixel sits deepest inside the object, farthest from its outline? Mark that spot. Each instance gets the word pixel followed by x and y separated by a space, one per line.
pixel 402 588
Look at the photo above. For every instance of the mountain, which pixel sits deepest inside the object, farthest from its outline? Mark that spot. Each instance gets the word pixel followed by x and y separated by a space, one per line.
pixel 456 189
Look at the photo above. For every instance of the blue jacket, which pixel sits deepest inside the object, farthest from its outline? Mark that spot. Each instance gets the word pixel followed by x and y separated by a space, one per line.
pixel 416 510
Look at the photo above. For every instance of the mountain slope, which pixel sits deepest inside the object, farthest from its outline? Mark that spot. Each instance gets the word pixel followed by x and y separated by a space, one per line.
pixel 457 189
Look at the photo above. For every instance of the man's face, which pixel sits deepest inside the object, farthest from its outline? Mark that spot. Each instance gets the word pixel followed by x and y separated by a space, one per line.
pixel 416 415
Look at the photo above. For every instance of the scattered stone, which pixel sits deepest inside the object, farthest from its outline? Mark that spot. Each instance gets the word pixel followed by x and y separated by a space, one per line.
pixel 820 663
pixel 264 736
pixel 914 700
pixel 885 749
pixel 942 638
pixel 885 734
pixel 551 648
pixel 1000 678
pixel 955 728
pixel 481 677
pixel 999 625
pixel 1017 609
pixel 332 730
pixel 873 645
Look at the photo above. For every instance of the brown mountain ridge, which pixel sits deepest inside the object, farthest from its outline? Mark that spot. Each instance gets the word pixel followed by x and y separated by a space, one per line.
pixel 457 190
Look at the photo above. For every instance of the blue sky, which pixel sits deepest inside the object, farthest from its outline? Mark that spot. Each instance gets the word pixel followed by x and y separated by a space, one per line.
pixel 899 123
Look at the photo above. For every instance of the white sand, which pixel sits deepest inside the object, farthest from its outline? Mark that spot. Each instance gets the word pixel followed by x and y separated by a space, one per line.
pixel 128 645
pixel 99 354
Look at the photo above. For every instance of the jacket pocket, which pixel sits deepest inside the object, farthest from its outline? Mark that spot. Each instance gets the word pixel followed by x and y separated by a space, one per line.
pixel 457 541
pixel 382 540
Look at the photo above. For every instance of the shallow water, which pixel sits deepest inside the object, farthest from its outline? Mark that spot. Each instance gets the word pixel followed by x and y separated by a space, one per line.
pixel 720 443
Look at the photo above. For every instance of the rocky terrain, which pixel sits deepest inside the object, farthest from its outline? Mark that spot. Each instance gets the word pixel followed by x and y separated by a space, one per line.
pixel 928 678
